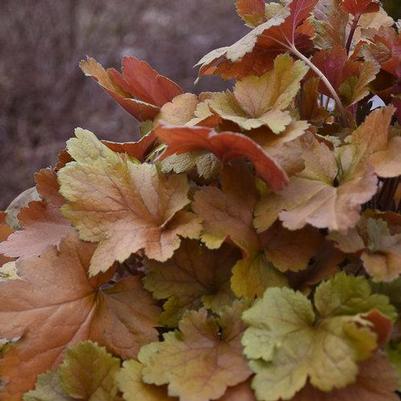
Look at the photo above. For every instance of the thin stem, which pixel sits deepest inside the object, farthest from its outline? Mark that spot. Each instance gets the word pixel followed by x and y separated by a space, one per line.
pixel 326 82
pixel 352 32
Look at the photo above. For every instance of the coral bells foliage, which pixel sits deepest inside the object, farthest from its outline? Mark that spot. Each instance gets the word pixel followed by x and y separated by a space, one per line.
pixel 247 247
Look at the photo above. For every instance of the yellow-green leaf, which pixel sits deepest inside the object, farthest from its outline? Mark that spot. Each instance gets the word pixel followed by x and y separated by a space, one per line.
pixel 88 373
pixel 129 380
pixel 48 388
pixel 289 341
pixel 195 276
pixel 252 276
pixel 201 360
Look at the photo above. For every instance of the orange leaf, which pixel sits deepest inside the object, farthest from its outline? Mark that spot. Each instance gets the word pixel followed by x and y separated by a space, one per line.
pixel 138 149
pixel 359 7
pixel 382 326
pixel 254 53
pixel 55 305
pixel 42 223
pixel 251 11
pixel 226 146
pixel 139 89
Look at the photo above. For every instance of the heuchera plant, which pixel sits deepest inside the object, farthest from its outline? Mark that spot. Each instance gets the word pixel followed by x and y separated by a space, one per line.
pixel 248 247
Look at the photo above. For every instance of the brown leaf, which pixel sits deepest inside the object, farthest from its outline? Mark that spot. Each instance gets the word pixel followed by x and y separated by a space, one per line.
pixel 55 305
pixel 179 111
pixel 377 243
pixel 193 277
pixel 371 137
pixel 227 212
pixel 349 77
pixel 377 381
pixel 225 145
pixel 324 266
pixel 291 250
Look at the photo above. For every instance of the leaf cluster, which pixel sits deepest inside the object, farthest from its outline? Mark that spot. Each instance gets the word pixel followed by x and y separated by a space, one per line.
pixel 247 247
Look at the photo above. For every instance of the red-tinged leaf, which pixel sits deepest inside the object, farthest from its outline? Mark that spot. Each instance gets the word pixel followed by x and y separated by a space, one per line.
pixel 138 150
pixel 139 89
pixel 382 326
pixel 55 305
pixel 350 78
pixel 143 82
pixel 385 48
pixel 331 63
pixel 226 146
pixel 377 381
pixel 397 104
pixel 42 222
pixel 359 7
pixel 251 11
pixel 330 22
pixel 255 52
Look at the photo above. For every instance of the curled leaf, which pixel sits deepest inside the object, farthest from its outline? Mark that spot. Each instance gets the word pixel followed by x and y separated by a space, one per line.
pixel 139 89
pixel 225 145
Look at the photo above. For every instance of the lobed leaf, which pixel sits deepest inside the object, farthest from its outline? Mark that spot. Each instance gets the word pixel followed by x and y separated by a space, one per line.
pixel 195 276
pixel 71 309
pixel 366 387
pixel 288 343
pixel 201 360
pixel 123 205
pixel 260 101
pixel 42 223
pixel 88 372
pixel 252 54
pixel 227 212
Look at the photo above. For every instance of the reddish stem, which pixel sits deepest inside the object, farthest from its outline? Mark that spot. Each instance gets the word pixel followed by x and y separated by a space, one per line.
pixel 352 32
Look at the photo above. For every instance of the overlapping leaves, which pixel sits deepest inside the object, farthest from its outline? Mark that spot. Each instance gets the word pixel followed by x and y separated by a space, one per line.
pixel 246 248
pixel 289 342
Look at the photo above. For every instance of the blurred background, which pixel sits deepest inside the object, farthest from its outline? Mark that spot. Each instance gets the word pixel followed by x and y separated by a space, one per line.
pixel 44 95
